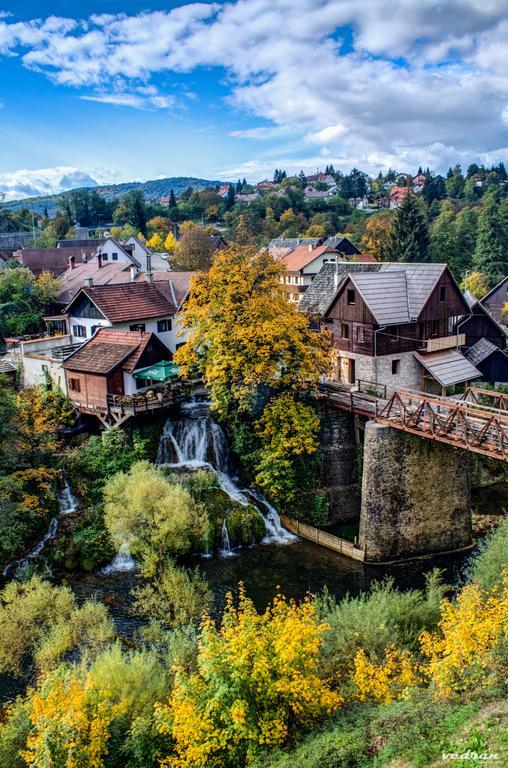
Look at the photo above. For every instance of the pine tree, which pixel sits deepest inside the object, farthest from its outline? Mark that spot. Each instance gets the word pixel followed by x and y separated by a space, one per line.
pixel 230 198
pixel 443 240
pixel 172 199
pixel 409 239
pixel 491 253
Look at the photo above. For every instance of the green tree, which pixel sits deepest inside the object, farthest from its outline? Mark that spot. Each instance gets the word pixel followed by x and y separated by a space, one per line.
pixel 444 241
pixel 491 252
pixel 409 236
pixel 193 251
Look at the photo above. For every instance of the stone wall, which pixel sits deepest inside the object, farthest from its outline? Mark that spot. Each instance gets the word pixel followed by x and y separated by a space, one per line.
pixel 380 369
pixel 11 241
pixel 339 475
pixel 415 496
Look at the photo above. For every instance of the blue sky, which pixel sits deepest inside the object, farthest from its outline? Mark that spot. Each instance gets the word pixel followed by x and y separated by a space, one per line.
pixel 127 90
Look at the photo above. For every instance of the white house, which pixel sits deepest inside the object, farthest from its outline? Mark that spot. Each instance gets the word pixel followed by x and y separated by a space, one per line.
pixel 112 250
pixel 142 307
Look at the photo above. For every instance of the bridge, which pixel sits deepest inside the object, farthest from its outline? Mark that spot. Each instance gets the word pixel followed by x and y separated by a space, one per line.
pixel 477 421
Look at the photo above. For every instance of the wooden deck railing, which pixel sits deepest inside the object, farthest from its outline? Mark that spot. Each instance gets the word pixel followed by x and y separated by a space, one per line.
pixel 324 539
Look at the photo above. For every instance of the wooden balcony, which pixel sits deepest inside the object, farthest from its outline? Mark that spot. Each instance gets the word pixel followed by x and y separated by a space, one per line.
pixel 444 342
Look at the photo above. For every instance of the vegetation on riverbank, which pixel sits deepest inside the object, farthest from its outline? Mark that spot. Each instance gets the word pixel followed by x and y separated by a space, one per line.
pixel 384 677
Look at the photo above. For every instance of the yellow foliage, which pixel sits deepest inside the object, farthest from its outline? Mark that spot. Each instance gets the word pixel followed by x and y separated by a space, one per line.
pixel 156 243
pixel 376 235
pixel 475 283
pixel 244 333
pixel 257 680
pixel 461 655
pixel 169 243
pixel 70 724
pixel 387 680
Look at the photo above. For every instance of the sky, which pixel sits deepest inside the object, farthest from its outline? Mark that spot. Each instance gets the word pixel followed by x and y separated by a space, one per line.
pixel 99 91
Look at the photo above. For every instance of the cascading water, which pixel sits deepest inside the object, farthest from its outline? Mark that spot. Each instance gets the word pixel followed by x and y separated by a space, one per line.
pixel 197 441
pixel 68 504
pixel 122 563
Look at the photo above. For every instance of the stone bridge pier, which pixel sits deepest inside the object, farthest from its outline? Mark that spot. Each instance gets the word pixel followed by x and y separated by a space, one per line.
pixel 416 496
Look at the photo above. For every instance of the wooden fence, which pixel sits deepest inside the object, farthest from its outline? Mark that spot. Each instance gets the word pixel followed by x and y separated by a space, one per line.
pixel 322 538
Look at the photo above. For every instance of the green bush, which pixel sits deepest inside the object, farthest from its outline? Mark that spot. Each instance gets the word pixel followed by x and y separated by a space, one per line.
pixel 245 525
pixel 491 562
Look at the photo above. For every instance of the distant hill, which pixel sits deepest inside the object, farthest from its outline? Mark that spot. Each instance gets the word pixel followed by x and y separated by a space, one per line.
pixel 152 190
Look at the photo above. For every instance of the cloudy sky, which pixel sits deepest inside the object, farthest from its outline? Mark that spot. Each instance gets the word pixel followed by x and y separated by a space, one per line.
pixel 110 90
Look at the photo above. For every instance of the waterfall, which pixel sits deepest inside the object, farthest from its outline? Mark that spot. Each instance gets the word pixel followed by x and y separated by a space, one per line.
pixel 121 563
pixel 67 504
pixel 197 441
pixel 226 544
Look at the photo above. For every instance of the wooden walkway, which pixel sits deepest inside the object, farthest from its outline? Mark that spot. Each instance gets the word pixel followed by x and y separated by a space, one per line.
pixel 476 422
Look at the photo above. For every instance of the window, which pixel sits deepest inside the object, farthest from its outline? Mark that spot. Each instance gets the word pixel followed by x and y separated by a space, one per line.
pixel 114 256
pixel 395 367
pixel 105 257
pixel 344 331
pixel 434 331
pixel 351 296
pixel 393 332
pixel 442 293
pixel 360 334
pixel 79 331
pixel 164 325
pixel 74 385
pixel 138 327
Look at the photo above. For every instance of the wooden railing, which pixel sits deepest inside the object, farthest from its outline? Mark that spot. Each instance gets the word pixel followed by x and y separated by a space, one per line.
pixel 324 539
pixel 461 424
pixel 486 397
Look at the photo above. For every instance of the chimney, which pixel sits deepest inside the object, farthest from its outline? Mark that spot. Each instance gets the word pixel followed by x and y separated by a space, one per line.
pixel 149 263
pixel 311 247
pixel 99 260
pixel 133 273
pixel 72 262
pixel 336 276
pixel 149 277
pixel 88 282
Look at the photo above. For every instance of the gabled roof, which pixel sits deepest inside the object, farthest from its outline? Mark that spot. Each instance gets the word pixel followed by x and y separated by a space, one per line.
pixel 139 242
pixel 448 367
pixel 408 287
pixel 337 240
pixel 494 289
pixel 125 303
pixel 127 251
pixel 293 242
pixel 54 260
pixel 481 351
pixel 74 279
pixel 301 256
pixel 109 349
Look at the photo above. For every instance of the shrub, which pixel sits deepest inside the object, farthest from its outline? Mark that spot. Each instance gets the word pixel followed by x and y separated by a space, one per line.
pixel 245 525
pixel 488 566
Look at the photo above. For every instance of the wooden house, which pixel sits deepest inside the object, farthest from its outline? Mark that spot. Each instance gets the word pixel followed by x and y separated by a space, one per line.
pixel 480 324
pixel 490 360
pixel 106 365
pixel 392 324
pixel 496 300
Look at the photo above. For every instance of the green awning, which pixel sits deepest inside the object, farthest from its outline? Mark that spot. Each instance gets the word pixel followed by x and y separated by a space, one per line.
pixel 159 372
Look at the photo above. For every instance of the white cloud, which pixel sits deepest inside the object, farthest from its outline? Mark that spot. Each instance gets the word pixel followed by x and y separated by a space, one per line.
pixel 49 181
pixel 420 78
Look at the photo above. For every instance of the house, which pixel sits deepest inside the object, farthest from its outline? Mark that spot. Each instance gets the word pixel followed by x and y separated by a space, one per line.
pixel 322 178
pixel 293 242
pixel 223 191
pixel 342 244
pixel 303 264
pixel 139 307
pixel 397 195
pixel 42 360
pixel 106 365
pixel 392 324
pixel 248 197
pixel 479 324
pixel 54 260
pixel 418 182
pixel 310 193
pixel 490 360
pixel 81 242
pixel 110 250
pixel 266 184
pixel 496 300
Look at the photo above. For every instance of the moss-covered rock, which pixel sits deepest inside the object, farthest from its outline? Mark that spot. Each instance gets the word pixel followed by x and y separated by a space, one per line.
pixel 245 525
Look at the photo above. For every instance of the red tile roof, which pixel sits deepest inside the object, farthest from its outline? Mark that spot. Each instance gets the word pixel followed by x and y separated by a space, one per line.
pixel 301 256
pixel 108 349
pixel 54 260
pixel 124 303
pixel 399 191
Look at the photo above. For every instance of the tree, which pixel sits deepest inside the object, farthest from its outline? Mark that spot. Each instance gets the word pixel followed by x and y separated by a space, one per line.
pixel 376 235
pixel 409 238
pixel 434 189
pixel 172 200
pixel 230 199
pixel 170 243
pixel 194 249
pixel 156 518
pixel 491 252
pixel 245 336
pixel 475 283
pixel 257 681
pixel 156 243
pixel 23 299
pixel 444 242
pixel 158 225
pixel 467 229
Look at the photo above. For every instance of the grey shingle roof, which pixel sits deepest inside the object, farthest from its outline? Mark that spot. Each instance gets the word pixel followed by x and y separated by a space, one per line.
pixel 448 367
pixel 323 288
pixel 293 242
pixel 397 292
pixel 481 351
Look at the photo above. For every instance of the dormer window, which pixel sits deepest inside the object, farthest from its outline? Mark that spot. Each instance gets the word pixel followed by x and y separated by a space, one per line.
pixel 351 296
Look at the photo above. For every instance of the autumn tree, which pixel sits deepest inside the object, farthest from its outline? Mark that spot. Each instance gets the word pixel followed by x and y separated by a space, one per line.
pixel 169 243
pixel 194 249
pixel 475 283
pixel 158 224
pixel 409 237
pixel 377 234
pixel 156 243
pixel 257 681
pixel 23 300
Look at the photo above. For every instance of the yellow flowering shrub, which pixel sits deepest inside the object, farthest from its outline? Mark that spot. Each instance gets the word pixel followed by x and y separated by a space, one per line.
pixel 70 725
pixel 461 655
pixel 388 679
pixel 257 680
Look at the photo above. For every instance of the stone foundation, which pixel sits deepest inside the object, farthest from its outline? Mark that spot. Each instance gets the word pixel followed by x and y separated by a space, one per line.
pixel 415 496
pixel 340 470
